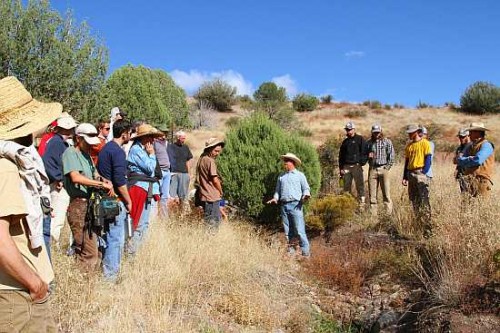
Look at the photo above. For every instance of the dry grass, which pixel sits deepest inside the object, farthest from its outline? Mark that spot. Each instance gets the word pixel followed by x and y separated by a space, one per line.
pixel 186 280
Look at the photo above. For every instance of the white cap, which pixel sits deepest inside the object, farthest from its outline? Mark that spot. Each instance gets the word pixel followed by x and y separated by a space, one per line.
pixel 88 132
pixel 350 125
pixel 114 112
pixel 66 122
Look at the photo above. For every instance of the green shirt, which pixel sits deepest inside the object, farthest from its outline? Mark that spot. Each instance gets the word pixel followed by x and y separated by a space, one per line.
pixel 74 160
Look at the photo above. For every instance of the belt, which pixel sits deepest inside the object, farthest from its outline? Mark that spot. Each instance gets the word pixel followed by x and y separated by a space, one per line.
pixel 351 164
pixel 285 202
pixel 378 165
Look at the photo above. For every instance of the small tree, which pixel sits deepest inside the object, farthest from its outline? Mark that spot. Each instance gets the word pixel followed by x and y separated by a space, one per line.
pixel 305 102
pixel 251 163
pixel 218 93
pixel 481 97
pixel 270 98
pixel 327 99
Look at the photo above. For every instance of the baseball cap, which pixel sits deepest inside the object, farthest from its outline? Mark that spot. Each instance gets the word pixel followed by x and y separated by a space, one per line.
pixel 115 111
pixel 66 122
pixel 423 130
pixel 463 132
pixel 376 129
pixel 88 132
pixel 350 125
pixel 411 128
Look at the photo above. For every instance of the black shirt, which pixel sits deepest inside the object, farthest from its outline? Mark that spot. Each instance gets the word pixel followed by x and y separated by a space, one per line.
pixel 178 155
pixel 353 151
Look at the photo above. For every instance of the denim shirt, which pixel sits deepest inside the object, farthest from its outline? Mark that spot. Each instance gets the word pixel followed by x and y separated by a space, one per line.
pixel 140 162
pixel 291 186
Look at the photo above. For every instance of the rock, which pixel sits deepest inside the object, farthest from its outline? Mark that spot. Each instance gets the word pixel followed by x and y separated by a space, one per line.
pixel 416 295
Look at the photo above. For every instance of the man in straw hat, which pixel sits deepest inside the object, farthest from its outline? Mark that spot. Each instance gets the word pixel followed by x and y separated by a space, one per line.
pixel 292 190
pixel 209 183
pixel 180 162
pixel 478 162
pixel 79 173
pixel 418 159
pixel 465 144
pixel 143 181
pixel 25 269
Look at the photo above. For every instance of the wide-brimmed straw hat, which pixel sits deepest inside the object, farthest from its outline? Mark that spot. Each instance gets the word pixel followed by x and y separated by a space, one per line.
pixel 20 113
pixel 292 157
pixel 147 130
pixel 477 127
pixel 213 142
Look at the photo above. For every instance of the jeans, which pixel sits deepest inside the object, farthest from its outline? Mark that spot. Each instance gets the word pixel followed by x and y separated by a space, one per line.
pixel 46 233
pixel 140 232
pixel 165 192
pixel 179 185
pixel 212 213
pixel 294 225
pixel 115 241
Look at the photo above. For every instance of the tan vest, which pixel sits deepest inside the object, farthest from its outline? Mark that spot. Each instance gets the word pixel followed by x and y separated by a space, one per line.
pixel 487 168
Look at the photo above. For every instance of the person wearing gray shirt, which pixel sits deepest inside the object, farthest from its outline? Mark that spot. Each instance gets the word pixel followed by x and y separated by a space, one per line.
pixel 291 191
pixel 160 146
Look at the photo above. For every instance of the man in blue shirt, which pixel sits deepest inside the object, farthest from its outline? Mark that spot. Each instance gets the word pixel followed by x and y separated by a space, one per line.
pixel 52 161
pixel 478 162
pixel 291 191
pixel 112 165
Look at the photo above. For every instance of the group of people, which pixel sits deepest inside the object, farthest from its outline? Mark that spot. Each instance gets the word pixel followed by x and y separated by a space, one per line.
pixel 108 180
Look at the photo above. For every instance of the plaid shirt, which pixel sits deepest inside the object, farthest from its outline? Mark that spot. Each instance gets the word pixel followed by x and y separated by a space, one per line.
pixel 383 151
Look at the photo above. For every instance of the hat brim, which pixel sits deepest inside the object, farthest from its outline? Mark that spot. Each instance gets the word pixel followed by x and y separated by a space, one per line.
pixel 295 159
pixel 215 144
pixel 479 129
pixel 28 119
pixel 155 134
pixel 411 131
pixel 91 140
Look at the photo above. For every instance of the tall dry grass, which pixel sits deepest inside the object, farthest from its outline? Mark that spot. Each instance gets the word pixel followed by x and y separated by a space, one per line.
pixel 186 279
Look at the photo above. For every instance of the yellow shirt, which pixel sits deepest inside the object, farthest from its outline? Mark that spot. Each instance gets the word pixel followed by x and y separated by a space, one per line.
pixel 415 152
pixel 12 204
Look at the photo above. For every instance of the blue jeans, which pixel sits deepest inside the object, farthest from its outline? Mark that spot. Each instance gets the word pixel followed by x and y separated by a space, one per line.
pixel 165 192
pixel 212 213
pixel 294 225
pixel 179 186
pixel 140 232
pixel 115 241
pixel 46 233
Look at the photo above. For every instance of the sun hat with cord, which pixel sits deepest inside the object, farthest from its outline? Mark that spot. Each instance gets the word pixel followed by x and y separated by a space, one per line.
pixel 291 157
pixel 477 127
pixel 213 142
pixel 88 132
pixel 20 113
pixel 147 130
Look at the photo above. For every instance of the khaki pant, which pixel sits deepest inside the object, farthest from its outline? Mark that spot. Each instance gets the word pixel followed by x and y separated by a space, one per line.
pixel 379 177
pixel 59 201
pixel 354 172
pixel 18 313
pixel 477 185
pixel 418 192
pixel 85 243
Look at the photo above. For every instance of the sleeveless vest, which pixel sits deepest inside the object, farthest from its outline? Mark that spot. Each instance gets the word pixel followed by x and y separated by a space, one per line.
pixel 486 169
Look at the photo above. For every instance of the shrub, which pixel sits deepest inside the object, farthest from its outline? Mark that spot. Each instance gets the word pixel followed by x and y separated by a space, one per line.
pixel 423 105
pixel 218 93
pixel 398 106
pixel 481 97
pixel 270 98
pixel 356 112
pixel 327 99
pixel 387 106
pixel 328 156
pixel 251 163
pixel 233 121
pixel 246 102
pixel 331 211
pixel 373 104
pixel 305 102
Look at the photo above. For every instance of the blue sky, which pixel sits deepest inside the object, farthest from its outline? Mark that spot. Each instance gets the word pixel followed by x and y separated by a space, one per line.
pixel 389 50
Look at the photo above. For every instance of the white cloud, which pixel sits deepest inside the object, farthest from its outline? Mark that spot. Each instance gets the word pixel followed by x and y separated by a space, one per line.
pixel 355 54
pixel 192 80
pixel 287 82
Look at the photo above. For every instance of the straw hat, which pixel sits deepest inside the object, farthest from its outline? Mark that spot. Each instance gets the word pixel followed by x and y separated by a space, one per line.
pixel 20 113
pixel 213 142
pixel 412 128
pixel 477 127
pixel 292 157
pixel 147 130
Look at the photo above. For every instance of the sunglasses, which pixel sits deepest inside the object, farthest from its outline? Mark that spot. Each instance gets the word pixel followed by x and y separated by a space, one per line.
pixel 106 128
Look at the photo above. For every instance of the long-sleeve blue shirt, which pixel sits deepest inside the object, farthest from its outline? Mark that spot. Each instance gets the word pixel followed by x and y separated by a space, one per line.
pixel 139 161
pixel 52 159
pixel 468 161
pixel 291 186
